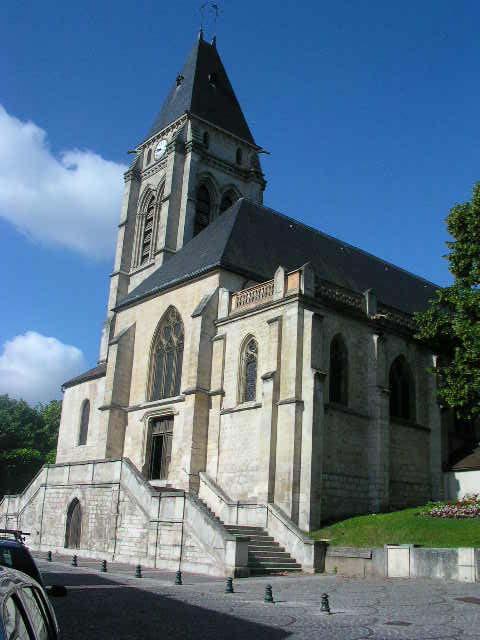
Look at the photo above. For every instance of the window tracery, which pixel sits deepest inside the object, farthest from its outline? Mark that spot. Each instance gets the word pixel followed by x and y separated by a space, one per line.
pixel 167 357
pixel 249 364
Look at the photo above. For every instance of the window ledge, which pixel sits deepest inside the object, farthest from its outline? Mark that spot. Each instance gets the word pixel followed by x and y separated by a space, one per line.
pixel 242 407
pixel 335 406
pixel 142 267
pixel 408 423
pixel 156 403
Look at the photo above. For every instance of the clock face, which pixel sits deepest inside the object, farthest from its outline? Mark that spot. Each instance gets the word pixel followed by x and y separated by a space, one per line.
pixel 160 149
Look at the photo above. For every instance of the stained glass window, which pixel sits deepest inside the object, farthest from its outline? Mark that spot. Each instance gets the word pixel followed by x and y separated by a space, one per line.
pixel 84 420
pixel 249 371
pixel 402 397
pixel 167 357
pixel 338 371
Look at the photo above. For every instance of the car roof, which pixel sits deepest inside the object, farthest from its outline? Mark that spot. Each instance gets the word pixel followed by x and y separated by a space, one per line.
pixel 8 542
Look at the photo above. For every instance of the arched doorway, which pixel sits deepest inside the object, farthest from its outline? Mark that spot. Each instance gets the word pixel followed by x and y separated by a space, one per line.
pixel 73 531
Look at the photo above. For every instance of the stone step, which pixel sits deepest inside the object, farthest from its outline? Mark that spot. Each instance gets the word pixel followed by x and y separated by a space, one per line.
pixel 264 571
pixel 266 548
pixel 268 554
pixel 272 562
pixel 235 527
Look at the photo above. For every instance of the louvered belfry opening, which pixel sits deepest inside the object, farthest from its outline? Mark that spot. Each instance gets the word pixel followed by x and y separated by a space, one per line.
pixel 167 357
pixel 73 531
pixel 148 231
pixel 227 201
pixel 161 435
pixel 202 209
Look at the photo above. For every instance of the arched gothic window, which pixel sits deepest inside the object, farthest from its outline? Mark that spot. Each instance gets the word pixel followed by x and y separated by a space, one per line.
pixel 402 391
pixel 249 361
pixel 203 207
pixel 84 420
pixel 228 199
pixel 167 356
pixel 338 371
pixel 148 231
pixel 73 531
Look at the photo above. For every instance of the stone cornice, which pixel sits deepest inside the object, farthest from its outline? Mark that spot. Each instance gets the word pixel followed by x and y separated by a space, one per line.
pixel 171 128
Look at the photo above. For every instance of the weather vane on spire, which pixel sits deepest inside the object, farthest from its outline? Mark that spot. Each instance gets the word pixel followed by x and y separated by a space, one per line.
pixel 209 12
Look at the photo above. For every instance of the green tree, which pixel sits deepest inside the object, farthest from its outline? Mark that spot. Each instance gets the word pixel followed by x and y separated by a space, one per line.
pixel 27 440
pixel 451 324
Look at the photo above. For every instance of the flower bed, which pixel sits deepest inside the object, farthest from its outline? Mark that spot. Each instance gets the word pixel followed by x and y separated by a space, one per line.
pixel 467 507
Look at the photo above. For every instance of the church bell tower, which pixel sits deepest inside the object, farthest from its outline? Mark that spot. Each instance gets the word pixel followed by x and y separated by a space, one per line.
pixel 198 158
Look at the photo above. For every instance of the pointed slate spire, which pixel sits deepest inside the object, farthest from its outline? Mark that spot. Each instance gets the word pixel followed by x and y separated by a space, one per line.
pixel 203 89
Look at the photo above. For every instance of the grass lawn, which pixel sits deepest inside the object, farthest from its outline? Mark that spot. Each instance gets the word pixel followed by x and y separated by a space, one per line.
pixel 401 527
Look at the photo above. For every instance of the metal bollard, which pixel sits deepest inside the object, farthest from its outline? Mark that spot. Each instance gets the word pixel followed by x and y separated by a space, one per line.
pixel 268 594
pixel 138 571
pixel 74 561
pixel 104 566
pixel 178 577
pixel 49 556
pixel 325 608
pixel 229 586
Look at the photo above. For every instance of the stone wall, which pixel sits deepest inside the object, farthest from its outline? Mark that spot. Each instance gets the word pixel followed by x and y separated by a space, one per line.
pixel 345 479
pixel 68 449
pixel 410 482
pixel 123 518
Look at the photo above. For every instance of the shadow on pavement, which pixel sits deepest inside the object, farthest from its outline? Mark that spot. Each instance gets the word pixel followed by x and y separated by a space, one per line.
pixel 70 578
pixel 128 613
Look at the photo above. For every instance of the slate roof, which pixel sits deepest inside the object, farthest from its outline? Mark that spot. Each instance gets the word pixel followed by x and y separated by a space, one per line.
pixel 469 462
pixel 212 99
pixel 252 240
pixel 97 372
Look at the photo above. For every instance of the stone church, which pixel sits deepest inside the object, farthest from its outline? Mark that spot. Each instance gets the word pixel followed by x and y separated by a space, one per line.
pixel 256 378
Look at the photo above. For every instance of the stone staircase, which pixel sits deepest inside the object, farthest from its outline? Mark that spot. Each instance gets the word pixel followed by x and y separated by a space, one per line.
pixel 265 555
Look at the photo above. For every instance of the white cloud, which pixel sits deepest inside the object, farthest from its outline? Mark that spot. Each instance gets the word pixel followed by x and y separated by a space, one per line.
pixel 72 200
pixel 33 367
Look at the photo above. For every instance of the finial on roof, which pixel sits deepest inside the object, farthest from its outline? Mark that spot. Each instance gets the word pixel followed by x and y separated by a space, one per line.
pixel 214 41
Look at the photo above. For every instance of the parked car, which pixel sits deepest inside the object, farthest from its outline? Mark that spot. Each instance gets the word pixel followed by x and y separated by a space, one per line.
pixel 15 555
pixel 25 611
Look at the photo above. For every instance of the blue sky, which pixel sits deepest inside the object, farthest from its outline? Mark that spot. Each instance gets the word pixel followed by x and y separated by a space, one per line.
pixel 369 110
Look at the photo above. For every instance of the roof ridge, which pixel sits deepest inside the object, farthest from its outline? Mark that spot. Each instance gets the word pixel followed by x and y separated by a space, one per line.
pixel 342 242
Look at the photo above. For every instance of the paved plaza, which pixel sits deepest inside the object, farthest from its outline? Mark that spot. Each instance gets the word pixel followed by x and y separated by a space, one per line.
pixel 118 605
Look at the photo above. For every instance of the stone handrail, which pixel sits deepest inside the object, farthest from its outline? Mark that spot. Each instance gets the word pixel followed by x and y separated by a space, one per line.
pixel 253 296
pixel 309 553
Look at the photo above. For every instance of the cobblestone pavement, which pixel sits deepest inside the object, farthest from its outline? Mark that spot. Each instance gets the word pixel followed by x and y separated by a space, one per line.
pixel 118 605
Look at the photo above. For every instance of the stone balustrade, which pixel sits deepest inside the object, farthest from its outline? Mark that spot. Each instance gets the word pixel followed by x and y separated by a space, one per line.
pixel 253 296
